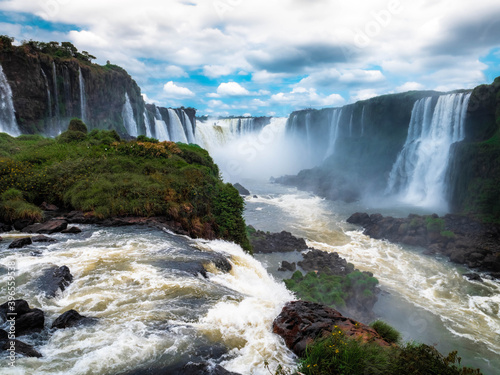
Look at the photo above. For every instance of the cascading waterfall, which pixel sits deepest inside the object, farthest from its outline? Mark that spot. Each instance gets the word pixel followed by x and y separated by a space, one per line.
pixel 56 90
pixel 8 123
pixel 161 127
pixel 418 175
pixel 363 121
pixel 128 117
pixel 334 131
pixel 49 98
pixel 83 99
pixel 175 127
pixel 148 125
pixel 189 128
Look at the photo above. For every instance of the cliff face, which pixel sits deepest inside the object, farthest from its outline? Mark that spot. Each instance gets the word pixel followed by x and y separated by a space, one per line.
pixel 48 90
pixel 474 174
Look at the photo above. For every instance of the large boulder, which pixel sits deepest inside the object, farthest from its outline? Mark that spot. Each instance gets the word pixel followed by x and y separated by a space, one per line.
pixel 301 322
pixel 5 228
pixel 71 318
pixel 329 263
pixel 16 346
pixel 27 320
pixel 20 242
pixel 49 227
pixel 242 190
pixel 263 242
pixel 53 279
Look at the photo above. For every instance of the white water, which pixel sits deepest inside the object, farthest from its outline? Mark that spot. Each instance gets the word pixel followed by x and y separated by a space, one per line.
pixel 49 98
pixel 8 123
pixel 148 125
pixel 128 117
pixel 161 127
pixel 418 175
pixel 83 99
pixel 189 128
pixel 151 314
pixel 176 129
pixel 334 131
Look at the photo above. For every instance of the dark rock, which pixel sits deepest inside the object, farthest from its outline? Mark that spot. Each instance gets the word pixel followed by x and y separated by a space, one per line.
pixel 21 224
pixel 27 320
pixel 48 207
pixel 204 369
pixel 287 266
pixel 5 228
pixel 53 279
pixel 71 318
pixel 329 263
pixel 263 242
pixel 20 242
pixel 78 217
pixel 473 276
pixel 255 196
pixel 72 230
pixel 49 227
pixel 20 348
pixel 42 238
pixel 241 189
pixel 301 322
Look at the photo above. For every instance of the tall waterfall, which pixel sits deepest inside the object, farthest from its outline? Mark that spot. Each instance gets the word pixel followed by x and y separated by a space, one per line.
pixel 334 131
pixel 56 90
pixel 83 99
pixel 148 125
pixel 161 127
pixel 8 123
pixel 189 128
pixel 418 175
pixel 128 117
pixel 176 129
pixel 49 97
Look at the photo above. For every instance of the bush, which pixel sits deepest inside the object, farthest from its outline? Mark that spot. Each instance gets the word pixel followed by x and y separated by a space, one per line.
pixel 13 207
pixel 434 224
pixel 448 234
pixel 77 125
pixel 70 136
pixel 387 332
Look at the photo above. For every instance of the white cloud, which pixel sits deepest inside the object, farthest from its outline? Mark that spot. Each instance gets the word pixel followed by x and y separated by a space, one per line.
pixel 363 95
pixel 409 86
pixel 171 90
pixel 301 98
pixel 232 89
pixel 175 72
pixel 214 71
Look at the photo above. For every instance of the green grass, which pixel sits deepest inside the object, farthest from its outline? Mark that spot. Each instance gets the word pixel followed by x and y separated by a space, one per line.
pixel 101 174
pixel 387 332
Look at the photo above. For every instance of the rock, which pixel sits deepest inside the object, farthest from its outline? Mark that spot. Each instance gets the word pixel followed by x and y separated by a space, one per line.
pixel 5 228
pixel 71 318
pixel 72 230
pixel 204 369
pixel 21 224
pixel 42 238
pixel 20 348
pixel 301 322
pixel 329 263
pixel 241 189
pixel 53 279
pixel 255 196
pixel 48 207
pixel 359 218
pixel 263 242
pixel 287 266
pixel 49 227
pixel 473 276
pixel 27 320
pixel 20 242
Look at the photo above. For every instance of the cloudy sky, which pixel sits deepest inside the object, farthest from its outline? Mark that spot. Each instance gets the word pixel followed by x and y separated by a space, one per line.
pixel 269 57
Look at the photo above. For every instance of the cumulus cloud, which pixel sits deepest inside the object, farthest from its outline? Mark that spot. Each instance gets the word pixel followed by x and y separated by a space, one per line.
pixel 409 86
pixel 231 89
pixel 301 97
pixel 171 90
pixel 214 71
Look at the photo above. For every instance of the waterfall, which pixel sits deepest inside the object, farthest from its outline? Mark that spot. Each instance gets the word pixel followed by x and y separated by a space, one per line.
pixel 83 100
pixel 8 123
pixel 175 127
pixel 56 91
pixel 363 121
pixel 147 124
pixel 67 92
pixel 350 125
pixel 189 128
pixel 161 127
pixel 49 98
pixel 418 175
pixel 128 117
pixel 334 131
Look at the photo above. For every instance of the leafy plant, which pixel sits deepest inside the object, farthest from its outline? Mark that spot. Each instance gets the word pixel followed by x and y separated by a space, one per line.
pixel 387 332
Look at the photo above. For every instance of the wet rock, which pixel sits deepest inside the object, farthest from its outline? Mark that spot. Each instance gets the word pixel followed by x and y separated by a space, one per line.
pixel 263 242
pixel 42 238
pixel 473 276
pixel 329 263
pixel 48 207
pixel 49 227
pixel 242 190
pixel 204 369
pixel 27 320
pixel 21 224
pixel 72 230
pixel 71 318
pixel 54 279
pixel 5 228
pixel 20 242
pixel 287 266
pixel 301 322
pixel 19 347
pixel 78 217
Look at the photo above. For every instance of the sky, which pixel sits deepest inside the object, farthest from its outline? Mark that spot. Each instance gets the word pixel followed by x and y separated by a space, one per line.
pixel 271 57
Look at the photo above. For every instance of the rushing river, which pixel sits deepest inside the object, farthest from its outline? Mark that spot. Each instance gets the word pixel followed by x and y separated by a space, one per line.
pixel 154 312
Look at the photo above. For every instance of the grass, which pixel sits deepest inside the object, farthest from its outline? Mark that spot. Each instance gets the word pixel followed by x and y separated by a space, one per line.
pixel 101 174
pixel 387 332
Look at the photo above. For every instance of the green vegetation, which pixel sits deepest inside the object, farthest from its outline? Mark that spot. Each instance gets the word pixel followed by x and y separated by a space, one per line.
pixel 434 224
pixel 77 125
pixel 332 290
pixel 338 354
pixel 448 234
pixel 104 176
pixel 387 332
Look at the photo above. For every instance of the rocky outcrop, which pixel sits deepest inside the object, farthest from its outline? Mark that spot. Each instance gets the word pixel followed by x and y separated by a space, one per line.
pixel 71 318
pixel 241 189
pixel 16 346
pixel 263 242
pixel 464 239
pixel 27 320
pixel 49 227
pixel 301 322
pixel 20 242
pixel 329 263
pixel 55 279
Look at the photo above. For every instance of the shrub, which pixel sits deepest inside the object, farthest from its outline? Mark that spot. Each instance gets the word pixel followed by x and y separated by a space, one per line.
pixel 70 136
pixel 448 234
pixel 77 125
pixel 387 332
pixel 143 138
pixel 13 207
pixel 434 224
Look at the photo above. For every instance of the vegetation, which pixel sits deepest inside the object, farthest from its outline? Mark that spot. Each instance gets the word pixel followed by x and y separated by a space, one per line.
pixel 387 332
pixel 77 125
pixel 102 175
pixel 332 290
pixel 434 224
pixel 338 354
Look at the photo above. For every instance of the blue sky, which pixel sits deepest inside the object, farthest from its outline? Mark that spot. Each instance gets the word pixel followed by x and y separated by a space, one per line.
pixel 270 57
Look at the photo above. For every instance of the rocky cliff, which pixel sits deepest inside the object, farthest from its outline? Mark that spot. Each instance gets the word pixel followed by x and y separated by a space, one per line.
pixel 52 83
